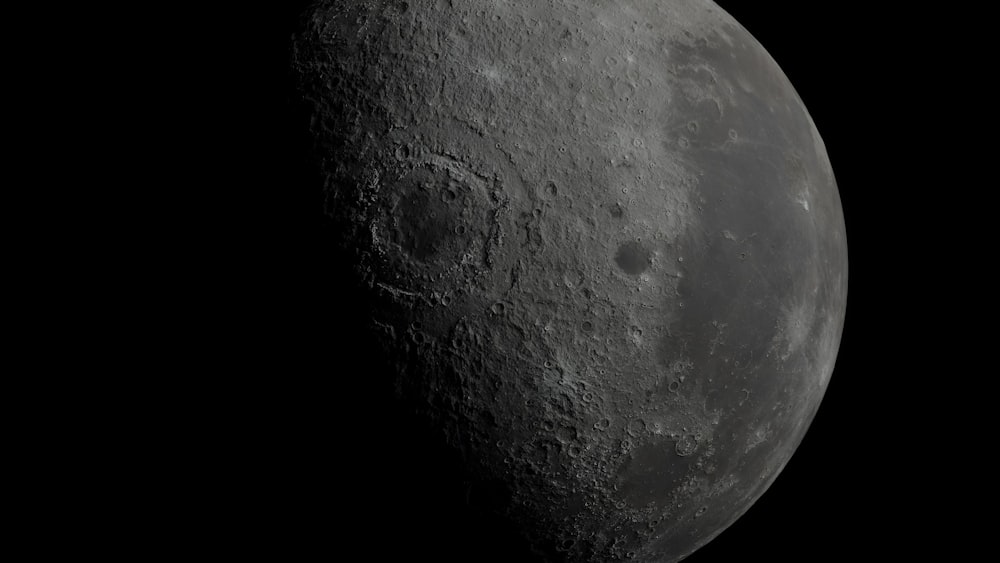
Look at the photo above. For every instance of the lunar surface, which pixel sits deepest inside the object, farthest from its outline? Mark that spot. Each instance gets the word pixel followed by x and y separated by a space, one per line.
pixel 603 247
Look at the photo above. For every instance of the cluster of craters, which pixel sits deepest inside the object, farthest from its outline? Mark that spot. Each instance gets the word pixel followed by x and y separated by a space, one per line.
pixel 584 243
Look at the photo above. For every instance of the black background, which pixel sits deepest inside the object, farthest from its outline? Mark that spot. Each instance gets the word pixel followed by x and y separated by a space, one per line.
pixel 347 472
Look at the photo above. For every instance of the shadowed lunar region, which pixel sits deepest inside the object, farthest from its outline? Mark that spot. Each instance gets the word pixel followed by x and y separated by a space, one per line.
pixel 603 246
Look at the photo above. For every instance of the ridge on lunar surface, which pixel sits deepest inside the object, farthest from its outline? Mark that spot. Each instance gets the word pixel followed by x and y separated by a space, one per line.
pixel 603 245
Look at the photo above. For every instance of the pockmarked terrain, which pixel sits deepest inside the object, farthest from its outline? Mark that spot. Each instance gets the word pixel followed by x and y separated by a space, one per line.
pixel 603 245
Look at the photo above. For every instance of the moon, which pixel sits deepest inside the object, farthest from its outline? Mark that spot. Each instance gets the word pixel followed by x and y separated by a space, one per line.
pixel 603 246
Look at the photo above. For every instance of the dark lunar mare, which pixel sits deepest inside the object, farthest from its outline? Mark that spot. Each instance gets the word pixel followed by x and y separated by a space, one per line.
pixel 601 247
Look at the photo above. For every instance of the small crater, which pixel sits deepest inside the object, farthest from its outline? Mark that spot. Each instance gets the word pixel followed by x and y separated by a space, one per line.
pixel 636 427
pixel 551 190
pixel 587 326
pixel 566 434
pixel 573 278
pixel 498 308
pixel 617 211
pixel 633 258
pixel 686 445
